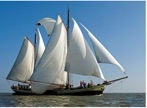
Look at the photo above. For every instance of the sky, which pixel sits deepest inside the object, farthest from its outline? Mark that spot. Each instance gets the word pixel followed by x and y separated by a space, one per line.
pixel 118 25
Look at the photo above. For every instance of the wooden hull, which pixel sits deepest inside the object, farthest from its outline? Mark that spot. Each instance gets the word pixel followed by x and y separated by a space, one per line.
pixel 95 90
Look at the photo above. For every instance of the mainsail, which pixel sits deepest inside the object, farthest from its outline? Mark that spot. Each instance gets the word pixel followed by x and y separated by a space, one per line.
pixel 41 47
pixel 24 64
pixel 50 69
pixel 102 54
pixel 80 59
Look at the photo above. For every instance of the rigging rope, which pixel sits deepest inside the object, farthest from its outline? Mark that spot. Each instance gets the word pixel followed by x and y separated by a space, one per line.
pixel 114 87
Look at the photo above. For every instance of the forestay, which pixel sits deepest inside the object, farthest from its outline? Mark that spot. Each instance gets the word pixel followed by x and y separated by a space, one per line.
pixel 24 64
pixel 80 59
pixel 102 54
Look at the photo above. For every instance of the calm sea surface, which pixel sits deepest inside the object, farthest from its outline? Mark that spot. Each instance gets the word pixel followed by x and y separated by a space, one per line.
pixel 105 100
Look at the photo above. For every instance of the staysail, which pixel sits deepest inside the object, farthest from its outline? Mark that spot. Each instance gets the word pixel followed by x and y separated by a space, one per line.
pixel 102 54
pixel 24 64
pixel 80 59
pixel 50 69
pixel 48 24
pixel 41 47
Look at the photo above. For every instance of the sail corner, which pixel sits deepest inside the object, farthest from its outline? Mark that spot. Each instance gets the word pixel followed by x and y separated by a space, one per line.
pixel 38 24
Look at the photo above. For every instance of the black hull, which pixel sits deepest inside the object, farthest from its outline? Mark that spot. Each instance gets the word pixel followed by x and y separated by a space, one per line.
pixel 83 93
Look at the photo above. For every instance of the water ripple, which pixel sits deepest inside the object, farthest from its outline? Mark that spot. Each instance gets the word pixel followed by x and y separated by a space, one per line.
pixel 105 100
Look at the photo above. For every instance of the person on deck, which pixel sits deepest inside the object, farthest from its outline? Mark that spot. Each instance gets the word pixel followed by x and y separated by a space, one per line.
pixel 81 83
pixel 88 85
pixel 84 84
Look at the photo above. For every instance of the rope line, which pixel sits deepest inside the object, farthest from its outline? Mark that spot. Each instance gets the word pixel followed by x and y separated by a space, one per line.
pixel 114 87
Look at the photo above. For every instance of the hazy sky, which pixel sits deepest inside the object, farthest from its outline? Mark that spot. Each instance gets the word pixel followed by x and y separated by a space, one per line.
pixel 119 26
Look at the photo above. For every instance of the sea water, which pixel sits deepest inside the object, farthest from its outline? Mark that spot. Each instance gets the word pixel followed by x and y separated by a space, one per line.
pixel 105 100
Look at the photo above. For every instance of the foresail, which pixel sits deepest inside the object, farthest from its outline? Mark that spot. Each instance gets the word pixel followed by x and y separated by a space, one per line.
pixel 24 64
pixel 80 59
pixel 102 54
pixel 41 47
pixel 50 69
pixel 48 24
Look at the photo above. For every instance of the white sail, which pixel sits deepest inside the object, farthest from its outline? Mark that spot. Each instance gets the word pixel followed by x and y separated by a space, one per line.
pixel 24 64
pixel 80 59
pixel 102 54
pixel 41 47
pixel 50 69
pixel 40 88
pixel 48 24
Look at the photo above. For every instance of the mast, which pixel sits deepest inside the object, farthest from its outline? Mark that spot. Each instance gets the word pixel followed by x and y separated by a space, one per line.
pixel 35 41
pixel 68 27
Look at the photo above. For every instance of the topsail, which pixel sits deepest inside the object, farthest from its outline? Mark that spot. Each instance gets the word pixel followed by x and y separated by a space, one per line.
pixel 48 24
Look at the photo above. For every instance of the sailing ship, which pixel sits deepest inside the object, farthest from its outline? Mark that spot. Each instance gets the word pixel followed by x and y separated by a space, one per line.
pixel 45 70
